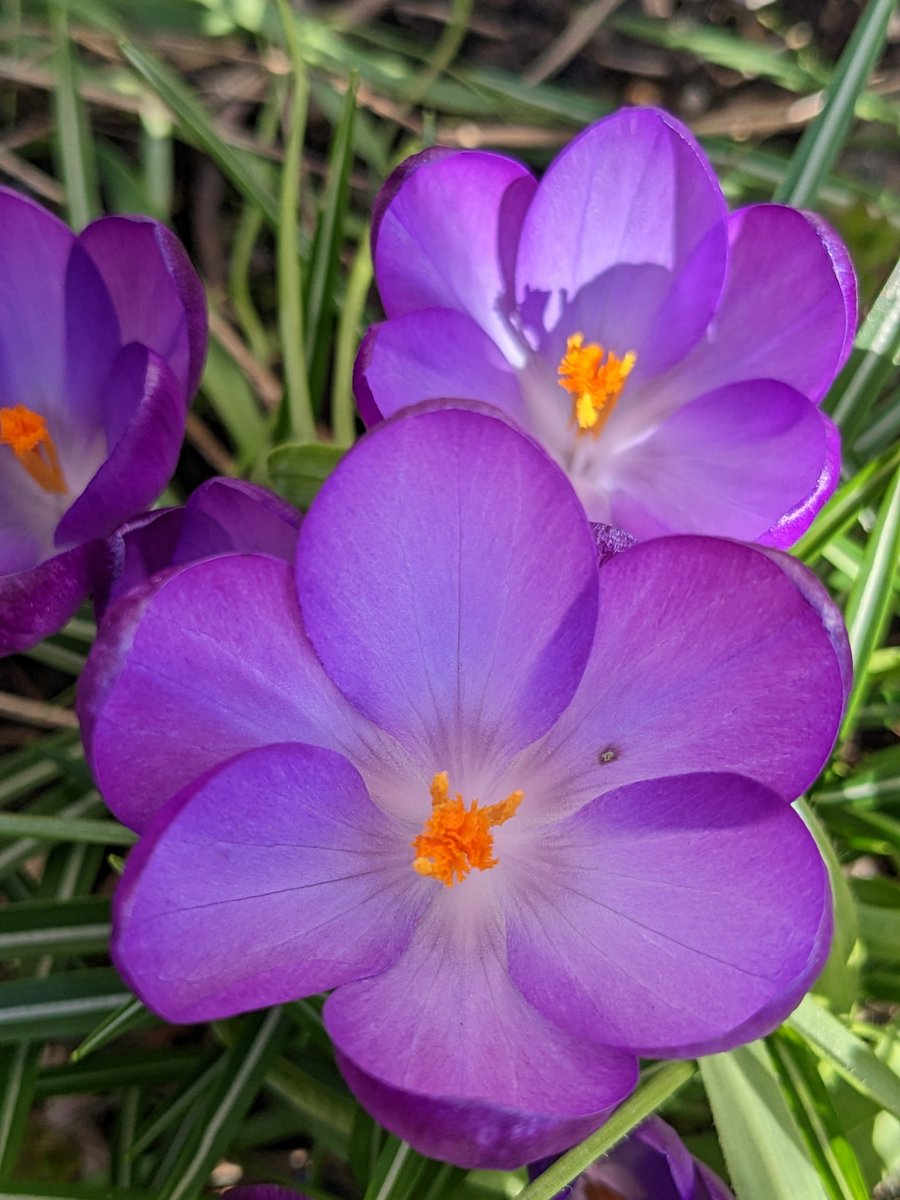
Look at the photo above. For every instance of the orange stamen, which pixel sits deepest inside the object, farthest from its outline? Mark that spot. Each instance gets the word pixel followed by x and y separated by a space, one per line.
pixel 26 433
pixel 455 838
pixel 593 384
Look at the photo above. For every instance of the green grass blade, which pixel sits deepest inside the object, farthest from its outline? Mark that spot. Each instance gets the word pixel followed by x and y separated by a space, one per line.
pixel 871 363
pixel 765 1151
pixel 822 140
pixel 197 126
pixel 19 1065
pixel 659 1087
pixel 79 926
pixel 65 829
pixel 128 1016
pixel 59 1006
pixel 343 405
pixel 297 472
pixel 76 148
pixel 846 504
pixel 871 600
pixel 852 1057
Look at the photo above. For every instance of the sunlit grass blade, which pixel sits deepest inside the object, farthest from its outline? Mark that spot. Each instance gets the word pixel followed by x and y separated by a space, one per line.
pixel 847 503
pixel 197 126
pixel 343 405
pixel 76 148
pixel 821 142
pixel 852 1057
pixel 871 599
pixel 871 363
pixel 765 1151
pixel 663 1083
pixel 297 472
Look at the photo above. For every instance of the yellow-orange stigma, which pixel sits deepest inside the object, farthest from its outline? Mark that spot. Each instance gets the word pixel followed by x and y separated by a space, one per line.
pixel 593 384
pixel 455 838
pixel 26 433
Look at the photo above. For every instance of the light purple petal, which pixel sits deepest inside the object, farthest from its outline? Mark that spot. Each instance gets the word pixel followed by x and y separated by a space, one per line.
pixel 34 254
pixel 447 237
pixel 432 354
pixel 37 602
pixel 442 1050
pixel 672 917
pixel 190 670
pixel 733 462
pixel 795 522
pixel 625 241
pixel 158 298
pixel 145 427
pixel 447 578
pixel 788 311
pixel 272 877
pixel 708 657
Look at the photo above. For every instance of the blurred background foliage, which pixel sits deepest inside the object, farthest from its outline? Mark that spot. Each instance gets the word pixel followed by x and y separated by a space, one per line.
pixel 261 131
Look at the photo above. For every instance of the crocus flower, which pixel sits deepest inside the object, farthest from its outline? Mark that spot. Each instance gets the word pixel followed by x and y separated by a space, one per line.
pixel 222 516
pixel 527 815
pixel 102 340
pixel 652 1163
pixel 668 354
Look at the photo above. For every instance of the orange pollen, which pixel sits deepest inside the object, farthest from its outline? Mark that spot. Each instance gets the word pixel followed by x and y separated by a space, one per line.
pixel 455 838
pixel 26 433
pixel 593 384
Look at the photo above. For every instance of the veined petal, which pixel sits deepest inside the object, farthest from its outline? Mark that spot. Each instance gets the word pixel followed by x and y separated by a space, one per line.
pixel 280 868
pixel 446 237
pixel 36 602
pixel 788 311
pixel 189 670
pixel 442 1050
pixel 447 578
pixel 433 354
pixel 144 416
pixel 737 462
pixel 708 657
pixel 158 298
pixel 625 241
pixel 673 917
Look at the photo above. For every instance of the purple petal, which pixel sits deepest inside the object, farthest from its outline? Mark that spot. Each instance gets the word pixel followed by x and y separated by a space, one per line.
pixel 442 1050
pixel 92 341
pixel 788 311
pixel 433 354
pixel 447 237
pixel 145 426
pixel 222 516
pixel 34 254
pixel 35 603
pixel 734 462
pixel 157 296
pixel 708 657
pixel 187 671
pixel 688 916
pixel 272 877
pixel 625 241
pixel 447 578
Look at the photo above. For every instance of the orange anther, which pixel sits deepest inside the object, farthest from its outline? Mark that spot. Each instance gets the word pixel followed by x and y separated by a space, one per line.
pixel 455 838
pixel 593 384
pixel 26 433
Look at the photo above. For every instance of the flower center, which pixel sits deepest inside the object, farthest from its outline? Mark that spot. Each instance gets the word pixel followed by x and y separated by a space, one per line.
pixel 455 838
pixel 27 434
pixel 593 384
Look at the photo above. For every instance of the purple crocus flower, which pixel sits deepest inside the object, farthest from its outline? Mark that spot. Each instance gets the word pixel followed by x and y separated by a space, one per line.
pixel 223 516
pixel 102 340
pixel 668 354
pixel 527 815
pixel 652 1163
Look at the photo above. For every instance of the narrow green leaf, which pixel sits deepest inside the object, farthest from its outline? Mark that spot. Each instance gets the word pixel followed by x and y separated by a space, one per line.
pixel 79 926
pixel 19 1067
pixel 839 980
pixel 298 471
pixel 663 1083
pixel 76 151
pixel 402 1174
pixel 57 1007
pixel 189 1094
pixel 116 1069
pixel 65 829
pixel 850 1056
pixel 822 140
pixel 870 603
pixel 873 359
pixel 128 1016
pixel 197 126
pixel 343 405
pixel 846 504
pixel 764 1149
pixel 326 1113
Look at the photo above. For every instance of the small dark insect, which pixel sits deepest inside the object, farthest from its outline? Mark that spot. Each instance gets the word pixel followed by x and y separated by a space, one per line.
pixel 610 754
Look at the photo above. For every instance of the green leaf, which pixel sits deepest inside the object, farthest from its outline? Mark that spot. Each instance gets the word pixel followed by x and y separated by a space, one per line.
pixel 871 599
pixel 852 1057
pixel 65 829
pixel 76 148
pixel 298 471
pixel 19 1067
pixel 846 504
pixel 343 405
pixel 663 1083
pixel 764 1150
pixel 128 1016
pixel 822 140
pixel 60 1006
pixel 79 926
pixel 402 1174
